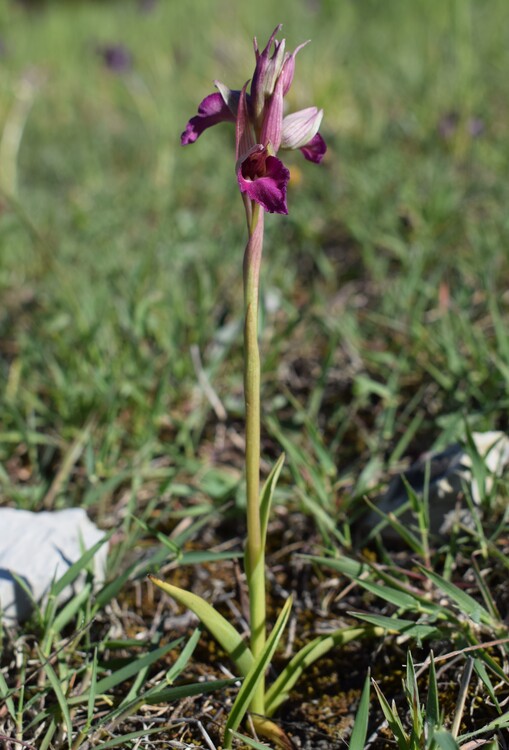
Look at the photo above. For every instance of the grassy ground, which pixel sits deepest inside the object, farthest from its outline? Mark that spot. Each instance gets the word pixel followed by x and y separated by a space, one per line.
pixel 385 302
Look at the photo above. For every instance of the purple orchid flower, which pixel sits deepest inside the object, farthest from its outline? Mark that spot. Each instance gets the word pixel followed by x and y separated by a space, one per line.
pixel 261 128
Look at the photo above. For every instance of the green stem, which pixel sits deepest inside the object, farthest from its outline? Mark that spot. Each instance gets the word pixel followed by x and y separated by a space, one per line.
pixel 255 545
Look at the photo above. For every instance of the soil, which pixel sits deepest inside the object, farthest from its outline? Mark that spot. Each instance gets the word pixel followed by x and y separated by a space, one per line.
pixel 321 710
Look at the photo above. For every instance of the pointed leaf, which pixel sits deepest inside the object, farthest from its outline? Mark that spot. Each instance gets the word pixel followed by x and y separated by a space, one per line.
pixel 224 633
pixel 360 727
pixel 279 691
pixel 485 678
pixel 412 629
pixel 393 719
pixel 61 699
pixel 445 740
pixel 77 567
pixel 466 603
pixel 92 692
pixel 267 495
pixel 132 668
pixel 250 742
pixel 6 695
pixel 432 705
pixel 256 672
pixel 183 658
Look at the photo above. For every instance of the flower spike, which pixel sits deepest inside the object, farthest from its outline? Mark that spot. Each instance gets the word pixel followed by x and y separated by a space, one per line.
pixel 259 121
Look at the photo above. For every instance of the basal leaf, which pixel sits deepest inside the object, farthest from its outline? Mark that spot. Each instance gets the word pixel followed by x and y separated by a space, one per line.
pixel 268 494
pixel 254 675
pixel 224 633
pixel 279 691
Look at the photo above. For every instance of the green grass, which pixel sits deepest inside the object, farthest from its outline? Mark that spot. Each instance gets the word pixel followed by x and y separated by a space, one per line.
pixel 385 304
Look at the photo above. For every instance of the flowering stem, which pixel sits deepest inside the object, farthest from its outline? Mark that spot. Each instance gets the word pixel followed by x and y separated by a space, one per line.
pixel 255 546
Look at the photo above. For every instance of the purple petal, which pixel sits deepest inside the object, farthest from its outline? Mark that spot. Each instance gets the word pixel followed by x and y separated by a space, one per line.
pixel 244 133
pixel 272 124
pixel 264 179
pixel 315 150
pixel 267 71
pixel 230 97
pixel 289 68
pixel 212 110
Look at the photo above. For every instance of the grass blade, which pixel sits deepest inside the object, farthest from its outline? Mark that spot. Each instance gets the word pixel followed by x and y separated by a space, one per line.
pixel 466 603
pixel 250 742
pixel 61 699
pixel 360 728
pixel 279 691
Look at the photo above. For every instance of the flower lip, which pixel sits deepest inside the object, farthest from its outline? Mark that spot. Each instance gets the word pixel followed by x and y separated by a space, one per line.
pixel 260 128
pixel 264 179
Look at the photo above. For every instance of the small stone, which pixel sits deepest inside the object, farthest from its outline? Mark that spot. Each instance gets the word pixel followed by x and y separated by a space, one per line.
pixel 39 548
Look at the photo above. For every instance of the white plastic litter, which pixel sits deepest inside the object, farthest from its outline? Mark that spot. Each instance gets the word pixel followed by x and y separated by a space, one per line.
pixel 39 548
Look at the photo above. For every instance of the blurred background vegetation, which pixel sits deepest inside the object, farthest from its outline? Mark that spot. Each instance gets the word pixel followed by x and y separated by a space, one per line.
pixel 385 294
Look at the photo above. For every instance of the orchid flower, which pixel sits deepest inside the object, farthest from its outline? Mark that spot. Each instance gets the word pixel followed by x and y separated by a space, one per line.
pixel 262 130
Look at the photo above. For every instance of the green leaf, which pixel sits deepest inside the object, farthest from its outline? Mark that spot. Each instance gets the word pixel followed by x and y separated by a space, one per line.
pixel 61 698
pixel 401 599
pixel 156 696
pixel 412 691
pixel 123 739
pixel 77 567
pixel 343 564
pixel 267 495
pixel 224 633
pixel 483 675
pixel 412 629
pixel 393 720
pixel 279 691
pixel 392 520
pixel 68 612
pixel 501 722
pixel 466 603
pixel 6 695
pixel 92 694
pixel 255 674
pixel 360 727
pixel 133 667
pixel 250 742
pixel 432 705
pixel 183 658
pixel 445 740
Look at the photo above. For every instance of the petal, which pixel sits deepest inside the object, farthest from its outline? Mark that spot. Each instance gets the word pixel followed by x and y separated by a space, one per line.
pixel 300 127
pixel 272 123
pixel 289 68
pixel 269 189
pixel 244 132
pixel 230 97
pixel 212 110
pixel 267 71
pixel 315 150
